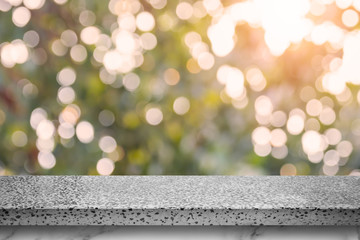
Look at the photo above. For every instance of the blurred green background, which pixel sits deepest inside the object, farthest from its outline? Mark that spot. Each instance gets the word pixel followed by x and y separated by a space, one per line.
pixel 162 87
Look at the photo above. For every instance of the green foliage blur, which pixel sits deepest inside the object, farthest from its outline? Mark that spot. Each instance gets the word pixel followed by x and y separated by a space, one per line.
pixel 214 136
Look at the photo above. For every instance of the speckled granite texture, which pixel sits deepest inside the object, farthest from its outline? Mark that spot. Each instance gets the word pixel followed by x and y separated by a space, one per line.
pixel 179 200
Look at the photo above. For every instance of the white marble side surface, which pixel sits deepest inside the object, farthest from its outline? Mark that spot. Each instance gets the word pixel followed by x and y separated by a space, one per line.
pixel 178 233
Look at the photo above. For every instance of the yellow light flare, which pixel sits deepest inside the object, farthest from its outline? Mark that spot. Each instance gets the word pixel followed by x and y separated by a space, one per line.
pixel 145 21
pixel 21 16
pixel 312 142
pixel 181 105
pixel 154 116
pixel 107 144
pixel 66 130
pixel 184 10
pixel 206 60
pixel 46 160
pixel 85 132
pixel 221 36
pixel 19 138
pixel 105 166
pixel 263 106
pixel 70 114
pixel 171 76
pixel 261 135
pixel 295 124
pixel 278 137
pixel 288 169
pixel 192 66
pixel 90 35
pixel 66 95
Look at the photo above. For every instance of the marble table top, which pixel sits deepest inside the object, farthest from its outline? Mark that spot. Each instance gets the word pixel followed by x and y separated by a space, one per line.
pixel 179 200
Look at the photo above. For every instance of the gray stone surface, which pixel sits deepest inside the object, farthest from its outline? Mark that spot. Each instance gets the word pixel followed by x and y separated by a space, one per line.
pixel 179 200
pixel 179 233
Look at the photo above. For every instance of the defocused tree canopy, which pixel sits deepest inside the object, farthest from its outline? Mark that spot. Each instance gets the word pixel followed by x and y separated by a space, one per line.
pixel 179 87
